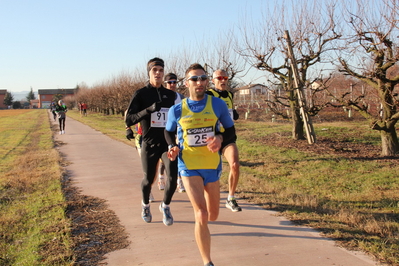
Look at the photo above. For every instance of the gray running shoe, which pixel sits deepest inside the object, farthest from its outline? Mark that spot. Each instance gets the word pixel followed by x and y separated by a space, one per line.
pixel 232 205
pixel 167 216
pixel 146 214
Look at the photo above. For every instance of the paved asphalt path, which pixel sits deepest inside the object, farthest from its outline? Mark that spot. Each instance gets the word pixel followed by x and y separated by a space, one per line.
pixel 111 170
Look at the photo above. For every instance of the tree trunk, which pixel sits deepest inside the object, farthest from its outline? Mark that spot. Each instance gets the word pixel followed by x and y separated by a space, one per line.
pixel 389 142
pixel 297 127
pixel 297 122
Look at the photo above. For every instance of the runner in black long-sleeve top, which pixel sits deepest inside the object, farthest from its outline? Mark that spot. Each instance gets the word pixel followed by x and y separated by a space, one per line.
pixel 150 106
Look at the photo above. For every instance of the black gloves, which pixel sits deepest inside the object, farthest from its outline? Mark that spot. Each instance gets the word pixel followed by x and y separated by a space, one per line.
pixel 235 115
pixel 129 134
pixel 155 107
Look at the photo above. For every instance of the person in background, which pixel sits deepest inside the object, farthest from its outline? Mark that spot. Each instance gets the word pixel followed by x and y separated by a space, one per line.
pixel 84 109
pixel 229 148
pixel 171 84
pixel 149 106
pixel 52 109
pixel 61 110
pixel 196 122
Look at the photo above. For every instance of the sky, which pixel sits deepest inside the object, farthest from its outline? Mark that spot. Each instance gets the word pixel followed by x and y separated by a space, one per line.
pixel 47 44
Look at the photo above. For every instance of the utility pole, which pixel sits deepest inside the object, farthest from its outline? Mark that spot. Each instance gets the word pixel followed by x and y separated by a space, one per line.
pixel 310 134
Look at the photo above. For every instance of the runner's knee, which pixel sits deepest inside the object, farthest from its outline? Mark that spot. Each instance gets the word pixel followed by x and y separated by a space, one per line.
pixel 201 216
pixel 235 166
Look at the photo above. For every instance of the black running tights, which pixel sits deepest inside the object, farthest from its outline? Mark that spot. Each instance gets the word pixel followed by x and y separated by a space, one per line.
pixel 150 155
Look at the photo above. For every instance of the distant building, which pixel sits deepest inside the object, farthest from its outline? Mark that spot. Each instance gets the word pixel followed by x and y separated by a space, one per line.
pixel 2 97
pixel 46 96
pixel 252 93
pixel 34 104
pixel 315 85
pixel 253 89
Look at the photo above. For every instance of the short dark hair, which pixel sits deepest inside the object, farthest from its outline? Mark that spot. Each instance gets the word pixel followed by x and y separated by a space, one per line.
pixel 194 66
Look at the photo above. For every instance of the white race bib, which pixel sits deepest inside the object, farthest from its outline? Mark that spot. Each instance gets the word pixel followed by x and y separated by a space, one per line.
pixel 196 137
pixel 158 119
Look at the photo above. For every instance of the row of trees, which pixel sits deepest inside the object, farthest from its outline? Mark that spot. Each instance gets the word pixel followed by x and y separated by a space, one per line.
pixel 330 38
pixel 108 97
pixel 9 99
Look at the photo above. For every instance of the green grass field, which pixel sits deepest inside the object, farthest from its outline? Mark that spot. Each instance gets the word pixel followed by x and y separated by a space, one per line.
pixel 33 226
pixel 354 201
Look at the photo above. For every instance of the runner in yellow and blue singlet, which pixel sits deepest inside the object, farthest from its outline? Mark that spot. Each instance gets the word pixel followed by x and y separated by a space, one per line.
pixel 196 122
pixel 206 113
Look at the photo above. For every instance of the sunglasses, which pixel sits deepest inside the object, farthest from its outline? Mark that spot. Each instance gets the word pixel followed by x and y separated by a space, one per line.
pixel 171 82
pixel 196 78
pixel 222 78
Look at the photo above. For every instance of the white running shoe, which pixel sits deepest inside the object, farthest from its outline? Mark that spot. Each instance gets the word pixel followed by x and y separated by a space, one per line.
pixel 232 205
pixel 61 132
pixel 161 182
pixel 152 199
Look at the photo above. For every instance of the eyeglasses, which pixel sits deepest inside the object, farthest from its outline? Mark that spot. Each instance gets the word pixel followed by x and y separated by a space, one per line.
pixel 171 82
pixel 222 78
pixel 196 78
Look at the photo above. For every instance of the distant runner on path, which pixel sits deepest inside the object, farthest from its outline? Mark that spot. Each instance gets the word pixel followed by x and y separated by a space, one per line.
pixel 60 110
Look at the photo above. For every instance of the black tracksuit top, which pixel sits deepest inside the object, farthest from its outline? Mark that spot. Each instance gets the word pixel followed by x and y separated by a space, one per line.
pixel 142 99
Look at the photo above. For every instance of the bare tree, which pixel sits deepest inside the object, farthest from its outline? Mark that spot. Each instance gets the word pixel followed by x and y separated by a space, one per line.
pixel 212 55
pixel 313 35
pixel 371 55
pixel 220 54
pixel 178 62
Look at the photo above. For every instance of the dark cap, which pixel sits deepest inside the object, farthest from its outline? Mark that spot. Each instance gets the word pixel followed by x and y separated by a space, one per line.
pixel 170 76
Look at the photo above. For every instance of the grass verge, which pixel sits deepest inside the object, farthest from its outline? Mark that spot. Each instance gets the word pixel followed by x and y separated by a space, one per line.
pixel 33 226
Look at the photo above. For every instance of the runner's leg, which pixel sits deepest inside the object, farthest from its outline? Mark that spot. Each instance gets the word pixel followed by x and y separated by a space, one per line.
pixel 171 178
pixel 149 161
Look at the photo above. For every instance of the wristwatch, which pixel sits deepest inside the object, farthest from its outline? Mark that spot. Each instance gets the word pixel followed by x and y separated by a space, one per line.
pixel 171 146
